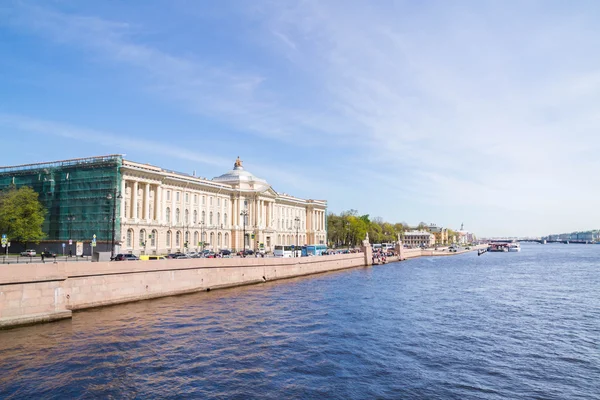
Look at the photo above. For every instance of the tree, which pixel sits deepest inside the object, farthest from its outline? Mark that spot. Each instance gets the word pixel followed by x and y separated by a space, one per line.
pixel 21 215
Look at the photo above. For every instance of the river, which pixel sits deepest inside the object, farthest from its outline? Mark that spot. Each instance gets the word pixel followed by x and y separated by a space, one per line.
pixel 502 325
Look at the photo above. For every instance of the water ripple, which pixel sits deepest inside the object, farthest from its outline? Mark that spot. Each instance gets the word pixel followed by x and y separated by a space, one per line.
pixel 518 325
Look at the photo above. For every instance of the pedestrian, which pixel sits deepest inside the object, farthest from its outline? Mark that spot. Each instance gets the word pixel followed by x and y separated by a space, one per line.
pixel 43 256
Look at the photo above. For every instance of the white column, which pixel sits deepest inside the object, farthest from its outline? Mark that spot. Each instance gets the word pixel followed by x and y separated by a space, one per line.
pixel 122 211
pixel 134 194
pixel 158 203
pixel 261 207
pixel 234 212
pixel 147 201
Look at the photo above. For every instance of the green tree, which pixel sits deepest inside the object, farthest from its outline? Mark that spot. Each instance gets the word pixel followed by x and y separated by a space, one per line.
pixel 21 215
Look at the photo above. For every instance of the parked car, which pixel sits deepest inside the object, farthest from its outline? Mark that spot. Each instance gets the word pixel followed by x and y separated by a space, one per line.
pixel 151 257
pixel 47 254
pixel 247 252
pixel 126 257
pixel 225 252
pixel 28 253
pixel 174 255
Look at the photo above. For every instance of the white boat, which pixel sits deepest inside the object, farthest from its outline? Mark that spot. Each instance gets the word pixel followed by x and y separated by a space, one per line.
pixel 514 247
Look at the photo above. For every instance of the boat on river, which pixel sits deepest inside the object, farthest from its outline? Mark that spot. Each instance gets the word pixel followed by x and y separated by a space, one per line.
pixel 514 247
pixel 498 248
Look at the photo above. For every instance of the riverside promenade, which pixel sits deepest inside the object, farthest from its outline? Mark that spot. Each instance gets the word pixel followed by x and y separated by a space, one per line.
pixel 38 293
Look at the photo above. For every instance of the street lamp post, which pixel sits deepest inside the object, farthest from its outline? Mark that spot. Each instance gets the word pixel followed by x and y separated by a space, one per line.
pixel 113 196
pixel 70 218
pixel 202 234
pixel 244 214
pixel 297 220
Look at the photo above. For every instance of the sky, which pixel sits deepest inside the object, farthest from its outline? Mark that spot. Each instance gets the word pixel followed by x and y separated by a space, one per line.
pixel 485 113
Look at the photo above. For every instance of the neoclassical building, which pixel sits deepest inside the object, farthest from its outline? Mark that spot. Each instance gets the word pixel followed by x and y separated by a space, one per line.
pixel 163 211
pixel 418 238
pixel 96 203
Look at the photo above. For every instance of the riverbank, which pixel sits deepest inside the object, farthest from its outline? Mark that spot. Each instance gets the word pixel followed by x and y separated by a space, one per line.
pixel 47 292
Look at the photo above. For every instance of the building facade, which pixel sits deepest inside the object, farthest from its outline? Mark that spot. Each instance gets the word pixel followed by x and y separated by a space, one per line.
pixel 418 239
pixel 441 234
pixel 144 209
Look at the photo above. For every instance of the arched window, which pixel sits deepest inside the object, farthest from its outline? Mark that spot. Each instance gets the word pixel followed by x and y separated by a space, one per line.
pixel 168 215
pixel 178 239
pixel 210 219
pixel 187 237
pixel 203 236
pixel 218 218
pixel 203 216
pixel 177 216
pixel 196 238
pixel 153 238
pixel 225 219
pixel 187 216
pixel 226 240
pixel 212 238
pixel 195 216
pixel 129 237
pixel 168 238
pixel 219 240
pixel 142 238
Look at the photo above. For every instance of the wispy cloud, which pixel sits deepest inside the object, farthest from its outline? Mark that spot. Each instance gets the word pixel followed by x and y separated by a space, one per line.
pixel 489 105
pixel 86 135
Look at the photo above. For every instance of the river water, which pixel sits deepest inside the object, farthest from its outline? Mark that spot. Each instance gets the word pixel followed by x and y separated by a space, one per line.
pixel 499 326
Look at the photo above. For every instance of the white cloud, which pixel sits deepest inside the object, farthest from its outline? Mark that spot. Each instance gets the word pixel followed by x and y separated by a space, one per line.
pixel 491 105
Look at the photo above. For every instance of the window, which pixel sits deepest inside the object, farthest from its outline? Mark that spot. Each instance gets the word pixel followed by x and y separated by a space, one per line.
pixel 195 199
pixel 218 218
pixel 129 237
pixel 143 238
pixel 168 215
pixel 225 202
pixel 203 200
pixel 218 202
pixel 177 196
pixel 219 240
pixel 195 238
pixel 195 216
pixel 210 219
pixel 187 197
pixel 203 217
pixel 212 240
pixel 225 219
pixel 153 238
pixel 168 238
pixel 177 216
pixel 177 238
pixel 226 240
pixel 187 238
pixel 187 216
pixel 210 201
pixel 168 195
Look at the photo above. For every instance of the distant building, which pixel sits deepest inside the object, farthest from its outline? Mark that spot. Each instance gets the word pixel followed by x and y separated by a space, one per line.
pixel 145 209
pixel 441 234
pixel 418 238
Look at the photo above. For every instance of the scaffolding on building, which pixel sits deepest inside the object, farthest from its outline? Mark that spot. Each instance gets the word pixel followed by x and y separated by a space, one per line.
pixel 75 194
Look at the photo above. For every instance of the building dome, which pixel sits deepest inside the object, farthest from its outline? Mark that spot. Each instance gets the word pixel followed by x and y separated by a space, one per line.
pixel 239 178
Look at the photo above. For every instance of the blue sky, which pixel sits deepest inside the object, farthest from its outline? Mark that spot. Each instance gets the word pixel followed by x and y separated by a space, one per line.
pixel 482 112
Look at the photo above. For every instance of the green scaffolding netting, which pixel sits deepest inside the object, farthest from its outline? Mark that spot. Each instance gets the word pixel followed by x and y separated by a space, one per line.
pixel 78 195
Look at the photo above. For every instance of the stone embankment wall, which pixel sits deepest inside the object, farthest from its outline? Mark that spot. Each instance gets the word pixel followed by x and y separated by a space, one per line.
pixel 44 292
pixel 35 293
